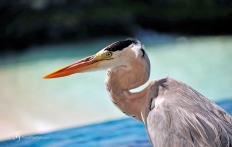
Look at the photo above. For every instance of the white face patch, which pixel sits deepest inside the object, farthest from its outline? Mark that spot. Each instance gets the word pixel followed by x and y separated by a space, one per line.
pixel 136 48
pixel 123 57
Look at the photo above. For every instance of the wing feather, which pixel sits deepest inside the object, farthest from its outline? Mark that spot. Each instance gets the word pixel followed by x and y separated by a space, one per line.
pixel 186 118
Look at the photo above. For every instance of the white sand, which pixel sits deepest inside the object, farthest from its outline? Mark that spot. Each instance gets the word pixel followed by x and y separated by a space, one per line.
pixel 32 105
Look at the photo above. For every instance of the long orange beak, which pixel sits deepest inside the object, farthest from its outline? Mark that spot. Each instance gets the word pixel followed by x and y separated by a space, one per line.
pixel 83 65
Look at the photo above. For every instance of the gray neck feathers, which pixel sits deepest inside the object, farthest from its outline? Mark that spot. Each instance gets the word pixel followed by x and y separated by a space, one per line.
pixel 121 79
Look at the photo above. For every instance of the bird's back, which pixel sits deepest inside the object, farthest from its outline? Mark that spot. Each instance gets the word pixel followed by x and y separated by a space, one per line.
pixel 182 117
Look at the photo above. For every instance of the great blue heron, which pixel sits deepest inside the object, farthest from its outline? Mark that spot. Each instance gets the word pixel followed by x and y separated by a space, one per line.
pixel 174 113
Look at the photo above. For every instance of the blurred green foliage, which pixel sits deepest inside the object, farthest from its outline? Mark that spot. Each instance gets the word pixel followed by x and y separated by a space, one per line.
pixel 113 9
pixel 26 22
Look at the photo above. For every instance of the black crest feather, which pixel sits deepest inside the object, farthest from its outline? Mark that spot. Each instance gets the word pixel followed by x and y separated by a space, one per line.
pixel 120 45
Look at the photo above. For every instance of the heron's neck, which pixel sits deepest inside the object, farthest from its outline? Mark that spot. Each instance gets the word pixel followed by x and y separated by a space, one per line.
pixel 124 78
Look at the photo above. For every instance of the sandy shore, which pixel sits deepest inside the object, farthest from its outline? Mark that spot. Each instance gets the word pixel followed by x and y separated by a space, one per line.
pixel 32 105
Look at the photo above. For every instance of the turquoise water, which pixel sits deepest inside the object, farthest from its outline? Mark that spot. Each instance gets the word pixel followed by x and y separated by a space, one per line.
pixel 32 105
pixel 118 133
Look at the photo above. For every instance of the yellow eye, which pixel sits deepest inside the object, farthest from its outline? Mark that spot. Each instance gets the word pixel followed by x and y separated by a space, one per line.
pixel 108 54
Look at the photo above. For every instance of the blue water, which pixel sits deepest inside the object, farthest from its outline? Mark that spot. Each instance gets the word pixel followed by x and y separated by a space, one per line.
pixel 32 105
pixel 118 133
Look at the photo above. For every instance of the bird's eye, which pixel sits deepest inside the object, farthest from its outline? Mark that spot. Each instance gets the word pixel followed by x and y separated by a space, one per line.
pixel 108 54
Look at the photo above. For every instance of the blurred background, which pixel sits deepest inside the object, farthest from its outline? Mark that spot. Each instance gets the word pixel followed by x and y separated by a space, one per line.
pixel 189 40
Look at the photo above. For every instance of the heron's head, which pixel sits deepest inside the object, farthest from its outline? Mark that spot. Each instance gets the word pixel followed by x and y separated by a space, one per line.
pixel 117 54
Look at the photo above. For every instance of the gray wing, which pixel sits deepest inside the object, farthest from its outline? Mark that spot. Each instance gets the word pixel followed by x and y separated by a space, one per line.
pixel 182 117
